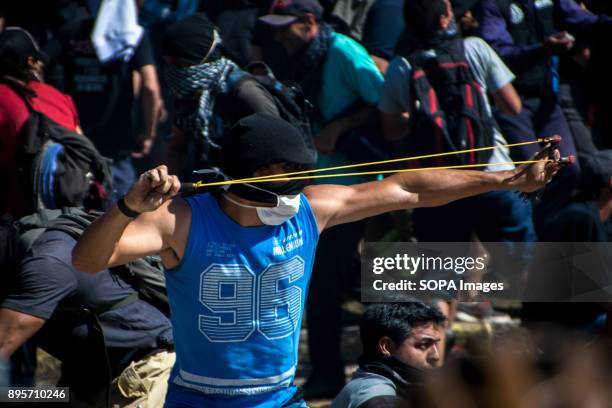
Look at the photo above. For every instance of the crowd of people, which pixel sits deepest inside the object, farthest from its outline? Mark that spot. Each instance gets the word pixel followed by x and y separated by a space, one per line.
pixel 92 93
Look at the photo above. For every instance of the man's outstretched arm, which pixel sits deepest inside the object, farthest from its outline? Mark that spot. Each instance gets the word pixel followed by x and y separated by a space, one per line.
pixel 115 239
pixel 335 205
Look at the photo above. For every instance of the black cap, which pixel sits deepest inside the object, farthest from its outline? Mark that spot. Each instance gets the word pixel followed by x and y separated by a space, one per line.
pixel 191 40
pixel 262 139
pixel 18 44
pixel 285 12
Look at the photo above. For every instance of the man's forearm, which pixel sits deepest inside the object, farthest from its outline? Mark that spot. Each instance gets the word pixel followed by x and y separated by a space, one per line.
pixel 94 250
pixel 438 187
pixel 151 104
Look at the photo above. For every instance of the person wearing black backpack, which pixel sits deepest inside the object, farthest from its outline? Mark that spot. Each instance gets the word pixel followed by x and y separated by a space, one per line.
pixel 435 100
pixel 115 345
pixel 22 73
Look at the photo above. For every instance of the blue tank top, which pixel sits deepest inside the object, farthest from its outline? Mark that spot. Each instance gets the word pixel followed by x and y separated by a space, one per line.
pixel 236 301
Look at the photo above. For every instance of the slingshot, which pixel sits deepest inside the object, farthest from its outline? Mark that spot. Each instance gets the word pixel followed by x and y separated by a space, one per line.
pixel 308 174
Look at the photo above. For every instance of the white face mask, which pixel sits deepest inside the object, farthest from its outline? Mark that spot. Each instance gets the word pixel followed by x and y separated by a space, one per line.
pixel 286 208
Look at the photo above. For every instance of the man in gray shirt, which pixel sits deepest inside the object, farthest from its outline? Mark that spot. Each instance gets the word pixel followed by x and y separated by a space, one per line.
pixel 400 342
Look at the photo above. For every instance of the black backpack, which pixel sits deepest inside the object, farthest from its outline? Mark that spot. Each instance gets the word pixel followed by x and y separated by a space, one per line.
pixel 449 111
pixel 57 167
pixel 145 275
pixel 288 97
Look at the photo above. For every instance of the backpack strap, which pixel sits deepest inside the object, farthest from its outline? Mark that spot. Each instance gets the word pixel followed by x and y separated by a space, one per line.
pixel 20 91
pixel 260 68
pixel 235 78
pixel 424 93
pixel 48 167
pixel 455 48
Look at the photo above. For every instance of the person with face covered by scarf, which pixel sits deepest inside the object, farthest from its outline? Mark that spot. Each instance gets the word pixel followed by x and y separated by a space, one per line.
pixel 208 98
pixel 335 72
pixel 239 260
pixel 342 82
pixel 401 341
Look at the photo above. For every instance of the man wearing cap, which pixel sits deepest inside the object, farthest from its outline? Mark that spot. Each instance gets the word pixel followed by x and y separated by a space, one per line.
pixel 22 67
pixel 344 85
pixel 239 260
pixel 334 71
pixel 209 96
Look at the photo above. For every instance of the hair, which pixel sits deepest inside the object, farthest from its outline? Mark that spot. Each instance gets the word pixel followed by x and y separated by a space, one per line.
pixel 394 320
pixel 422 17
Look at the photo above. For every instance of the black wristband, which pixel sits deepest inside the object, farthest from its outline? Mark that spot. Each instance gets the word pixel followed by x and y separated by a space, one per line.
pixel 127 211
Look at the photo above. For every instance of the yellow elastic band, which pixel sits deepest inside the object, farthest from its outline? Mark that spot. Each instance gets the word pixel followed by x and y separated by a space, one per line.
pixel 199 184
pixel 401 159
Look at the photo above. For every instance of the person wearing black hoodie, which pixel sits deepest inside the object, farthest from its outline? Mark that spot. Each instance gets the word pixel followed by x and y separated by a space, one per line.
pixel 401 341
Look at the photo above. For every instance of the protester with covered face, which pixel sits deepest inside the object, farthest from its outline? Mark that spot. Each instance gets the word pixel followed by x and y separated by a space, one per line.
pixel 239 260
pixel 209 97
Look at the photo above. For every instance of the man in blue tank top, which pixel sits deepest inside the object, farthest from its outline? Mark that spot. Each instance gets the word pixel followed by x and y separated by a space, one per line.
pixel 239 260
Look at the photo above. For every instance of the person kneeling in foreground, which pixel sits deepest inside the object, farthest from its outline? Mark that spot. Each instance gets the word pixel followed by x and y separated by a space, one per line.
pixel 239 261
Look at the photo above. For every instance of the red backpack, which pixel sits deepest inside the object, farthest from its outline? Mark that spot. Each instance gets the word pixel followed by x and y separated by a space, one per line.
pixel 449 110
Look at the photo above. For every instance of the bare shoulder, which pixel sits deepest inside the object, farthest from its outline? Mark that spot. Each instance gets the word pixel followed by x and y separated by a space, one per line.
pixel 321 196
pixel 335 204
pixel 326 200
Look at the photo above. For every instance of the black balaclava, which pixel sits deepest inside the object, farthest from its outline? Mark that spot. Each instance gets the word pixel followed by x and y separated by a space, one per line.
pixel 259 140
